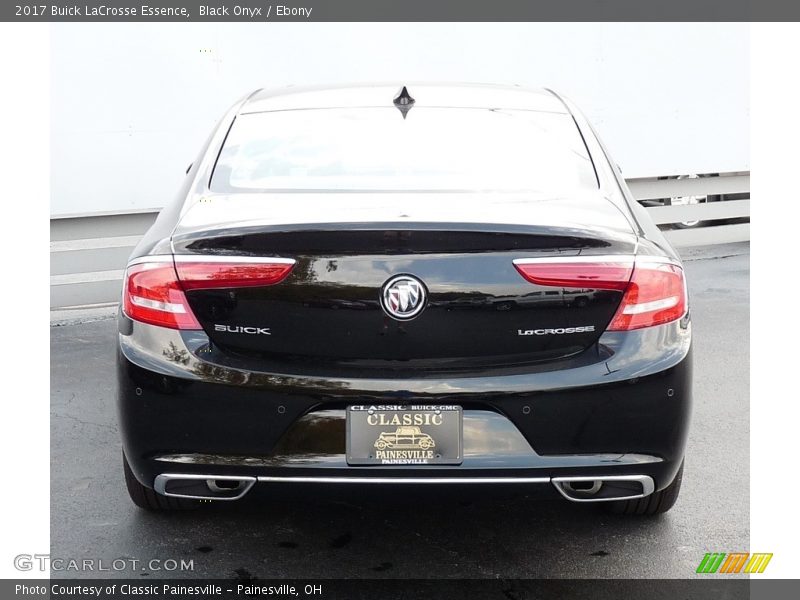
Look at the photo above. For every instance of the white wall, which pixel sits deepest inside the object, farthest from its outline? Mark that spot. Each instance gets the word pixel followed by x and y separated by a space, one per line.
pixel 132 103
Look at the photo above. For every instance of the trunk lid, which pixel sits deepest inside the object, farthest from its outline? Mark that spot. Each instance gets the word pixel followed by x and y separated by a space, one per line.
pixel 478 310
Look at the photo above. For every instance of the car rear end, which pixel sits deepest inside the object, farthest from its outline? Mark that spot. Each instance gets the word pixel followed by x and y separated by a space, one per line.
pixel 287 334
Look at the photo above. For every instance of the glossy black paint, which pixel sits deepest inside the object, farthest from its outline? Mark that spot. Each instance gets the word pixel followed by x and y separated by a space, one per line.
pixel 622 407
pixel 634 426
pixel 585 404
pixel 328 309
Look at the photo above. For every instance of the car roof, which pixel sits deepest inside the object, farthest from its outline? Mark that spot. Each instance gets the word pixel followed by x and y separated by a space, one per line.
pixel 439 95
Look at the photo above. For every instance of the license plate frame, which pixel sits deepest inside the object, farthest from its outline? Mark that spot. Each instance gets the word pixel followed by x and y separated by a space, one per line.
pixel 417 435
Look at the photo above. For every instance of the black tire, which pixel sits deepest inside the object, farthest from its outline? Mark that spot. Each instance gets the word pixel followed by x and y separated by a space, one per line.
pixel 146 498
pixel 655 504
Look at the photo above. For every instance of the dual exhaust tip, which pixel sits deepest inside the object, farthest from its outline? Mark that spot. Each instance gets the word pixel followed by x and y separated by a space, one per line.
pixel 203 487
pixel 604 489
pixel 575 489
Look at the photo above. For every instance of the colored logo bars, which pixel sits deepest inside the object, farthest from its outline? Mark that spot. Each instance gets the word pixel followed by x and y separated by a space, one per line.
pixel 736 562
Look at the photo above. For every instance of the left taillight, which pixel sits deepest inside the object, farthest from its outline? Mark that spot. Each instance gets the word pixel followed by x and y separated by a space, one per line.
pixel 155 291
pixel 229 272
pixel 154 295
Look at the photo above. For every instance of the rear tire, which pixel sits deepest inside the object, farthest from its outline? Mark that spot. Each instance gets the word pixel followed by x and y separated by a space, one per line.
pixel 684 200
pixel 146 498
pixel 655 504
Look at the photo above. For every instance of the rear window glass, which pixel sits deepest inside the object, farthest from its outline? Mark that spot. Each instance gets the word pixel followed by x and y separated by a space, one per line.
pixel 376 149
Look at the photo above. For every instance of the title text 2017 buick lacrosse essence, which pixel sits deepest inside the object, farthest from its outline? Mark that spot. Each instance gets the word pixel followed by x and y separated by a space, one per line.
pixel 393 284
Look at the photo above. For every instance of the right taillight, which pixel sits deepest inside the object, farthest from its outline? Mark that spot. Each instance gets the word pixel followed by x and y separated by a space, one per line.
pixel 654 289
pixel 655 295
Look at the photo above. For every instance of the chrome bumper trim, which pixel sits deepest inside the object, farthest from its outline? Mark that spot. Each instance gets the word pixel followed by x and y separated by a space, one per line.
pixel 390 480
pixel 160 485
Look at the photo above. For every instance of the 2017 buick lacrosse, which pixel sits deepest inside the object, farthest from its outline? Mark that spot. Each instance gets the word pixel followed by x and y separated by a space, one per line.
pixel 394 284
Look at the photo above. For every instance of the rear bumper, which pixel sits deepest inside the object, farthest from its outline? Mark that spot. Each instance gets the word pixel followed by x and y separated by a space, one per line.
pixel 591 488
pixel 623 411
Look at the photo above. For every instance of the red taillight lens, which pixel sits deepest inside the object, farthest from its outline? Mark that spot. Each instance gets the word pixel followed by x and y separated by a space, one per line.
pixel 197 275
pixel 154 292
pixel 153 295
pixel 600 275
pixel 655 292
pixel 656 295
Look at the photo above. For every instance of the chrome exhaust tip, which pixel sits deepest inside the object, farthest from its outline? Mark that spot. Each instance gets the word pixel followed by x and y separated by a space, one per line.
pixel 604 489
pixel 203 487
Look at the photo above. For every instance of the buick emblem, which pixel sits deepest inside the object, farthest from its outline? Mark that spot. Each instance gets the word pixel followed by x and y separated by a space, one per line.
pixel 403 297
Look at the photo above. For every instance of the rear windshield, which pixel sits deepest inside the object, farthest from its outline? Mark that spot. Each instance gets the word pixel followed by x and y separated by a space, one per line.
pixel 376 149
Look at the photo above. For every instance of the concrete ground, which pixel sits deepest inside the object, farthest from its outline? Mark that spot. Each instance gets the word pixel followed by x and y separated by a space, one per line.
pixel 430 533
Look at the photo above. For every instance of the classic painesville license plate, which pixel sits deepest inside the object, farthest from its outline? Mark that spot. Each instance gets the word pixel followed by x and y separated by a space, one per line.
pixel 404 435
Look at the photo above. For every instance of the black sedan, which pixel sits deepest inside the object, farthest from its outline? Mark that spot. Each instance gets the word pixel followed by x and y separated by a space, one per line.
pixel 388 285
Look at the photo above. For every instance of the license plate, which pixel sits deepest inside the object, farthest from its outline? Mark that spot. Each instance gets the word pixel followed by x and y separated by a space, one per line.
pixel 404 435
